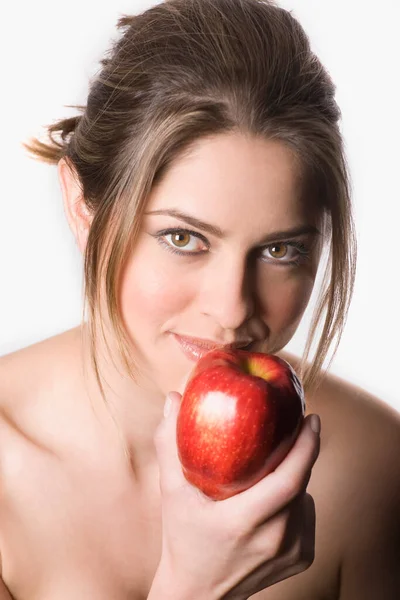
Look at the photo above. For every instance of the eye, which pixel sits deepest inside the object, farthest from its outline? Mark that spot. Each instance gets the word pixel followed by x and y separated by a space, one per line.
pixel 286 253
pixel 182 241
pixel 278 250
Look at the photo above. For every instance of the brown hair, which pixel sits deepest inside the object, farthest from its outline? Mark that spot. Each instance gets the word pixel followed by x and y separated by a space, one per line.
pixel 182 70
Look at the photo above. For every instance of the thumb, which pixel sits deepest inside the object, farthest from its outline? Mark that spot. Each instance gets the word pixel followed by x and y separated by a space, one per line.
pixel 171 475
pixel 172 404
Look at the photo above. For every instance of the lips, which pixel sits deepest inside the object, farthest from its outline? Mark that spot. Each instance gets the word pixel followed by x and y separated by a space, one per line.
pixel 196 348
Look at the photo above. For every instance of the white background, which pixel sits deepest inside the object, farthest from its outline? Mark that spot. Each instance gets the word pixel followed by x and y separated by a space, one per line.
pixel 49 50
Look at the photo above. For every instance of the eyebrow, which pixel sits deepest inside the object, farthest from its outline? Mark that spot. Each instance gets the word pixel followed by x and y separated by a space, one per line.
pixel 214 230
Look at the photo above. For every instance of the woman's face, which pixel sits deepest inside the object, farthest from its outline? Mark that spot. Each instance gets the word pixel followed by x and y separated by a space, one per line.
pixel 227 252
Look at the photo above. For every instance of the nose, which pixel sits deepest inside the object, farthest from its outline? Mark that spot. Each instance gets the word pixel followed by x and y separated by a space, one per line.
pixel 227 292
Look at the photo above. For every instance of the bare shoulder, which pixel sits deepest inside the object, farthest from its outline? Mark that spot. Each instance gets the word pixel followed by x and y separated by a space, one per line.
pixel 22 379
pixel 28 372
pixel 357 483
pixel 34 384
pixel 362 428
pixel 38 383
pixel 30 381
pixel 355 422
pixel 360 442
pixel 36 357
pixel 366 453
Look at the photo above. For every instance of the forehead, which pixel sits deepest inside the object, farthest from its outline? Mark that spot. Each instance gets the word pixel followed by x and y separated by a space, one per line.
pixel 235 181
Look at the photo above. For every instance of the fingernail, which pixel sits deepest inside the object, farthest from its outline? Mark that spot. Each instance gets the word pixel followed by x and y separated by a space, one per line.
pixel 167 406
pixel 315 423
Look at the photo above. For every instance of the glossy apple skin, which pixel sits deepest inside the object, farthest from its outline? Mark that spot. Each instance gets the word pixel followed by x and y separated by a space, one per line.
pixel 239 416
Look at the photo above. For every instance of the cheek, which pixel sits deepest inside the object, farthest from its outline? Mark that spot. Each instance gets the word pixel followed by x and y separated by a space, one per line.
pixel 150 293
pixel 286 304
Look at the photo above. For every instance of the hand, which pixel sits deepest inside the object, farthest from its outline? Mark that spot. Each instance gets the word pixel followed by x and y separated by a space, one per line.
pixel 233 548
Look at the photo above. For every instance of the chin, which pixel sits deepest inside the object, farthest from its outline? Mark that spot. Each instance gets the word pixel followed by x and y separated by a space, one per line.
pixel 174 380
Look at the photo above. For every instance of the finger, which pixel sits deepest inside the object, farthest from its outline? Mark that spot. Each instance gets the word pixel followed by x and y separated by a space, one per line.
pixel 294 552
pixel 308 531
pixel 275 491
pixel 171 475
pixel 300 526
pixel 298 545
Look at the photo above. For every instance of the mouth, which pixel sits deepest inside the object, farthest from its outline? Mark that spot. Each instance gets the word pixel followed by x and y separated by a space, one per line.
pixel 196 348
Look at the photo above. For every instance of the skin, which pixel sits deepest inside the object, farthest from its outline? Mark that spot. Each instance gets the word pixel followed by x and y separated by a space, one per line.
pixel 76 519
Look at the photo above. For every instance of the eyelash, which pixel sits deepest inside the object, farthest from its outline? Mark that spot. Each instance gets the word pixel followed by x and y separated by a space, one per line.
pixel 303 251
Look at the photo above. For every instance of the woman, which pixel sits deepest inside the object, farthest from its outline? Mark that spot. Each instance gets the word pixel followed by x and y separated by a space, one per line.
pixel 205 183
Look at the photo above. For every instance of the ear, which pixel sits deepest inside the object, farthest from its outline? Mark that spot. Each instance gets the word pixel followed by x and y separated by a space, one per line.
pixel 78 214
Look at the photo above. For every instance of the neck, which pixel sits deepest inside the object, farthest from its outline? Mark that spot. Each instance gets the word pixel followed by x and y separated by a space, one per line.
pixel 133 408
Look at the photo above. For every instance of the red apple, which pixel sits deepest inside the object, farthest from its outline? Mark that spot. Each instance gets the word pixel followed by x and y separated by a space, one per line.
pixel 239 416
